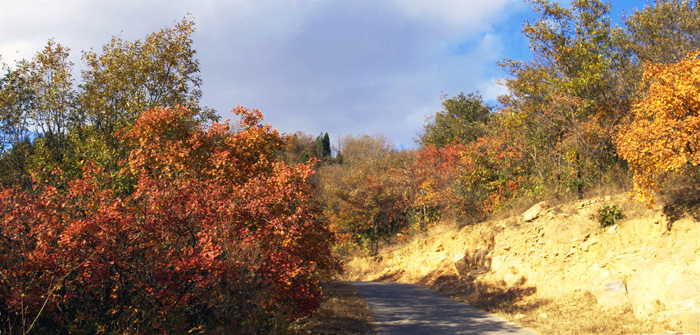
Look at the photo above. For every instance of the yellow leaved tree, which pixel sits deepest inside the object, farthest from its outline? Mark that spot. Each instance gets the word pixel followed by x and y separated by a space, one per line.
pixel 664 134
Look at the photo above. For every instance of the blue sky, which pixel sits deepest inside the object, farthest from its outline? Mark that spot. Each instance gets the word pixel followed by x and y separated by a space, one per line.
pixel 336 66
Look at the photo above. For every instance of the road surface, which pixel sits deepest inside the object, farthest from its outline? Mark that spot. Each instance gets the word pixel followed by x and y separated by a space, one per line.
pixel 415 310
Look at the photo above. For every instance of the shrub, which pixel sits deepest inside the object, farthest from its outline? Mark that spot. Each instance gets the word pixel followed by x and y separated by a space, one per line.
pixel 608 215
pixel 216 237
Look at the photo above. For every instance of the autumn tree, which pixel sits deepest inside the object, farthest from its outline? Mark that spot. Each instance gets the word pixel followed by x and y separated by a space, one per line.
pixel 217 237
pixel 75 124
pixel 436 173
pixel 14 129
pixel 121 216
pixel 300 147
pixel 323 146
pixel 569 99
pixel 664 31
pixel 496 169
pixel 664 133
pixel 461 120
pixel 127 78
pixel 37 100
pixel 365 197
pixel 297 148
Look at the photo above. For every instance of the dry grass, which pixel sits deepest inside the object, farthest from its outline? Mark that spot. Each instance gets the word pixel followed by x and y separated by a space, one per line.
pixel 342 312
pixel 578 314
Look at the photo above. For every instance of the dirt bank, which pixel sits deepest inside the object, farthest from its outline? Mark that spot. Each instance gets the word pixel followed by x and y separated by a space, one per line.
pixel 560 272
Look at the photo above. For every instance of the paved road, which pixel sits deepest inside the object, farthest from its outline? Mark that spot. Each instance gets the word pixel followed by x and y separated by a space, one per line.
pixel 415 310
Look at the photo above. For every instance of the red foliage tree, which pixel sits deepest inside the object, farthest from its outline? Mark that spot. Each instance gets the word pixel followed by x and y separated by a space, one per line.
pixel 473 179
pixel 495 169
pixel 437 172
pixel 216 236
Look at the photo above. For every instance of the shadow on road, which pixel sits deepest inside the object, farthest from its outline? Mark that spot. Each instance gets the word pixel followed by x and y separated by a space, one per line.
pixel 486 297
pixel 412 309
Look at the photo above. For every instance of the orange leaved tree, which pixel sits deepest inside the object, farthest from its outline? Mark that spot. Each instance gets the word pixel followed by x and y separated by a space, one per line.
pixel 216 236
pixel 664 134
pixel 366 198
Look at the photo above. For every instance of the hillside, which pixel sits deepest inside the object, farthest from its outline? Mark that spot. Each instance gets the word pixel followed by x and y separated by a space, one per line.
pixel 561 272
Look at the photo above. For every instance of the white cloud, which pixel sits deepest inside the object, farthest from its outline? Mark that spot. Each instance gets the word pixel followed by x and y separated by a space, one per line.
pixel 491 90
pixel 472 15
pixel 343 67
pixel 79 24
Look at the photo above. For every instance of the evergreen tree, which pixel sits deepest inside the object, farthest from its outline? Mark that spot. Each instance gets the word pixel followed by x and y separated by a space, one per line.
pixel 304 156
pixel 323 146
pixel 326 146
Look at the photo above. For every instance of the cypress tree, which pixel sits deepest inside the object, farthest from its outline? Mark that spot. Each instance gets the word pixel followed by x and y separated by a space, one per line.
pixel 326 146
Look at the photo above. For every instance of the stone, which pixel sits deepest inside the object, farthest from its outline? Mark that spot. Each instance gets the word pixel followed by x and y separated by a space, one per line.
pixel 460 266
pixel 681 290
pixel 534 212
pixel 645 290
pixel 585 246
pixel 513 278
pixel 660 225
pixel 612 293
pixel 470 264
pixel 660 218
pixel 505 277
pixel 646 311
pixel 657 288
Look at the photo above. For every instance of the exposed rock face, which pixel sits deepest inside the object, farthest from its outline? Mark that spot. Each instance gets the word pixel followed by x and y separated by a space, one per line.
pixel 472 263
pixel 667 292
pixel 505 277
pixel 534 212
pixel 647 263
pixel 643 264
pixel 460 266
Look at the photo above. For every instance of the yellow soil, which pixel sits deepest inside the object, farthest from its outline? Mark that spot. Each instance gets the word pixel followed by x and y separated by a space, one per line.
pixel 542 274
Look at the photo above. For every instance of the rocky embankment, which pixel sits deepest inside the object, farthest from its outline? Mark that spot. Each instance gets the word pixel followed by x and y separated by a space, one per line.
pixel 649 262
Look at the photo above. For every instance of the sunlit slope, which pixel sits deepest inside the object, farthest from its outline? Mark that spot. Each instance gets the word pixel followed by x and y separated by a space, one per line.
pixel 561 271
